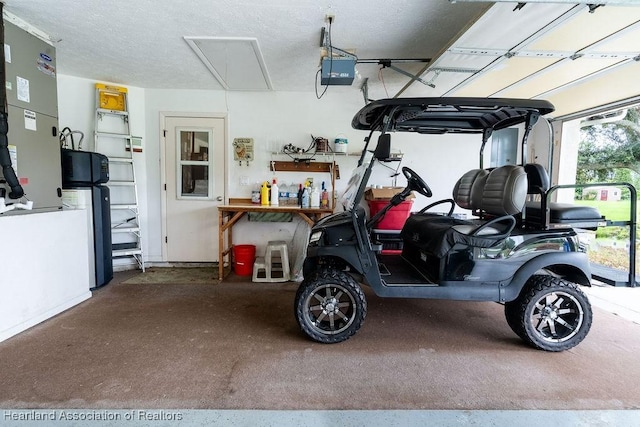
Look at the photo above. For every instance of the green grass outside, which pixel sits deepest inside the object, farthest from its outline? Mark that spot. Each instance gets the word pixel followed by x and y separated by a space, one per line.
pixel 615 211
pixel 609 256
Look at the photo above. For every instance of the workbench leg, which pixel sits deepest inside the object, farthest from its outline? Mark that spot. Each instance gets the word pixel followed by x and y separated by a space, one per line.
pixel 220 246
pixel 230 245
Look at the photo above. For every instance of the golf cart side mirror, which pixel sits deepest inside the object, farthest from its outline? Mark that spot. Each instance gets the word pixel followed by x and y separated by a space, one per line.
pixel 383 149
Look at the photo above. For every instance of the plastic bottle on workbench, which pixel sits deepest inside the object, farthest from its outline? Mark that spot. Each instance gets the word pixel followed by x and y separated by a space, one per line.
pixel 255 194
pixel 275 194
pixel 283 194
pixel 293 195
pixel 264 194
pixel 305 198
pixel 300 193
pixel 324 197
pixel 315 197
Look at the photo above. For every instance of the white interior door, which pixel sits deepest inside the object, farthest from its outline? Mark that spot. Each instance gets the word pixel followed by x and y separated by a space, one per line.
pixel 194 174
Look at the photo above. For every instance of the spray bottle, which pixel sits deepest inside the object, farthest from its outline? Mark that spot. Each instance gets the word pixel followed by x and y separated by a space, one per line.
pixel 300 192
pixel 324 197
pixel 305 197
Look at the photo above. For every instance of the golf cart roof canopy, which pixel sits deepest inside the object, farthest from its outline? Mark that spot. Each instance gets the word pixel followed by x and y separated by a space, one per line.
pixel 447 115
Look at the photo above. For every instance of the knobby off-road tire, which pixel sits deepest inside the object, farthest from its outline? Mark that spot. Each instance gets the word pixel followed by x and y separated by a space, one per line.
pixel 512 314
pixel 330 306
pixel 550 314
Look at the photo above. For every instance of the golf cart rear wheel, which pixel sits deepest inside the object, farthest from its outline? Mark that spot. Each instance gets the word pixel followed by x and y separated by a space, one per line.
pixel 330 307
pixel 551 314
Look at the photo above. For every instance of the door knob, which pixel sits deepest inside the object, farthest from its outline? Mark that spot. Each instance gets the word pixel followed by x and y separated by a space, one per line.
pixel 219 198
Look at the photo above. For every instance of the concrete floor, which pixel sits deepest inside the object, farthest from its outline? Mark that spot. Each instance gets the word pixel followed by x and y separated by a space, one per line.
pixel 624 302
pixel 236 345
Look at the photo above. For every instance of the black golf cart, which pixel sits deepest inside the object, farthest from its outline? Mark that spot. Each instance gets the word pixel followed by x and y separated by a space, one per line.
pixel 505 253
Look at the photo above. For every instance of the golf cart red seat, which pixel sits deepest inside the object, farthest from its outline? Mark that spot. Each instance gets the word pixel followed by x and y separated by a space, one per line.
pixel 503 193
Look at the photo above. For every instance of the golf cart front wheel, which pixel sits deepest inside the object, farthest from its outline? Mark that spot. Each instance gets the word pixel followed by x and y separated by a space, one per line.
pixel 551 314
pixel 330 307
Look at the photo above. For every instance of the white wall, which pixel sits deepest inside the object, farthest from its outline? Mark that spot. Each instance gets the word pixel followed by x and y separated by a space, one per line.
pixel 59 243
pixel 272 119
pixel 76 110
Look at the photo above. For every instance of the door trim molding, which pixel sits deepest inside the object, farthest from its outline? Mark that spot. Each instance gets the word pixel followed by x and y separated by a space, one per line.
pixel 163 155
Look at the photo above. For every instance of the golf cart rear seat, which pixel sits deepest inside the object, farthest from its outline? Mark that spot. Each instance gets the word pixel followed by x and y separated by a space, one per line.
pixel 498 195
pixel 560 214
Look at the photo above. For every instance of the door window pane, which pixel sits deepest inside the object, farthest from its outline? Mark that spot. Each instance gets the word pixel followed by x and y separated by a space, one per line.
pixel 193 163
pixel 195 181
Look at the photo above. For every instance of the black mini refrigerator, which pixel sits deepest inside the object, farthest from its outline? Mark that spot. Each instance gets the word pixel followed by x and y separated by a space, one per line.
pixel 84 169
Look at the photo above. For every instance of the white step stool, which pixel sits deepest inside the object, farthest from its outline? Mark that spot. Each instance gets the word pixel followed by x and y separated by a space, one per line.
pixel 273 268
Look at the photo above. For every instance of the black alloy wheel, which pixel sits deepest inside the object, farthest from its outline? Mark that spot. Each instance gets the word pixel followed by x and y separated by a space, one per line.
pixel 551 314
pixel 330 307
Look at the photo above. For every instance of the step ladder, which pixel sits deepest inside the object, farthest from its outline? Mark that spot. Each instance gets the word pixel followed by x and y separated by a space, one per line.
pixel 113 139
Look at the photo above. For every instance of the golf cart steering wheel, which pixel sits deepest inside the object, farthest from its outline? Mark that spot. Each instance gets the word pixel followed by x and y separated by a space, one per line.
pixel 415 183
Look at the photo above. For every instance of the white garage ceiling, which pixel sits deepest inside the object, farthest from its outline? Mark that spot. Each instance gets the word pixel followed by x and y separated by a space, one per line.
pixel 141 43
pixel 574 56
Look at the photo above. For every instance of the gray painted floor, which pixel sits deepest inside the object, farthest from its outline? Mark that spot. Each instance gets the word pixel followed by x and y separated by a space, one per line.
pixel 232 354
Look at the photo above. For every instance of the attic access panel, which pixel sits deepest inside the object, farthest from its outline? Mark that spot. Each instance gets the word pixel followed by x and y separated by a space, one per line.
pixel 447 115
pixel 236 62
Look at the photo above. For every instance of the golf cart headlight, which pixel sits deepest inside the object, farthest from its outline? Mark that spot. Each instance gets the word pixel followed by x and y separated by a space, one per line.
pixel 315 237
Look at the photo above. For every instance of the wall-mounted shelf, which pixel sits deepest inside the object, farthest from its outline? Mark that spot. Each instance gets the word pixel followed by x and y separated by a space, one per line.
pixel 315 156
pixel 302 166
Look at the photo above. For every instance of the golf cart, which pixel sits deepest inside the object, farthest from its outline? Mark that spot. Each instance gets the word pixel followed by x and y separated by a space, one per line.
pixel 504 253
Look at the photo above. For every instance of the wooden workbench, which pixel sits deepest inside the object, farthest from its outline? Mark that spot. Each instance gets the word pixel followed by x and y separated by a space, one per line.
pixel 228 215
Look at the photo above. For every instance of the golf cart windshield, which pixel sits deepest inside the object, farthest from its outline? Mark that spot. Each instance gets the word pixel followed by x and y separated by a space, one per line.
pixel 348 198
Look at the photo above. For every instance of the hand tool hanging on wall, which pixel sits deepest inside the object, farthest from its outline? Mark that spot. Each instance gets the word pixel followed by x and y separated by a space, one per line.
pixel 5 159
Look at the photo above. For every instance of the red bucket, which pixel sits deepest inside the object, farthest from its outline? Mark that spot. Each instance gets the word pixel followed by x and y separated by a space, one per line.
pixel 243 258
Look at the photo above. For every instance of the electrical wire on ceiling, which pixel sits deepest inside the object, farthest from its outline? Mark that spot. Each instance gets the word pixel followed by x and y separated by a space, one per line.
pixel 330 63
pixel 381 78
pixel 326 42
